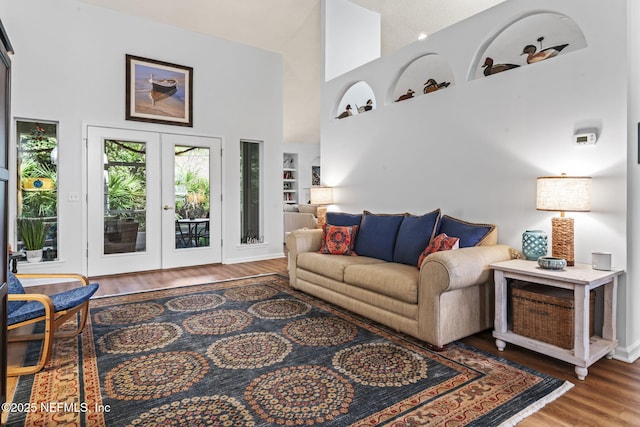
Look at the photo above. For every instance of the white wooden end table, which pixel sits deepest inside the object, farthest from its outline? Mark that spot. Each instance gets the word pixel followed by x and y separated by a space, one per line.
pixel 581 279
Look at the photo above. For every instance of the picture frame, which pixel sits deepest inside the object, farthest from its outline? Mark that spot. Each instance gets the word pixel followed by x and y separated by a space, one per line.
pixel 158 92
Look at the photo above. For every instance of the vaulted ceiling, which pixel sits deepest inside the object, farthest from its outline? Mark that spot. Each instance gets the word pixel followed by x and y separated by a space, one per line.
pixel 292 28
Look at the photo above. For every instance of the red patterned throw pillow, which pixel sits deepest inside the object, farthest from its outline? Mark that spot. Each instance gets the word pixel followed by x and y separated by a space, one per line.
pixel 441 242
pixel 338 240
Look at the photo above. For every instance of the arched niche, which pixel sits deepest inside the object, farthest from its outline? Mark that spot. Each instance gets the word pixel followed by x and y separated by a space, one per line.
pixel 359 97
pixel 546 34
pixel 423 75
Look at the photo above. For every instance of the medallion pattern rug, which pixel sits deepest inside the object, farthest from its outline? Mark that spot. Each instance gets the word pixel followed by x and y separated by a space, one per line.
pixel 253 352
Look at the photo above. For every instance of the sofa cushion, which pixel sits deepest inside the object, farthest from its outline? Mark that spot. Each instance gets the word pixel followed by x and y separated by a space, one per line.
pixel 337 240
pixel 470 234
pixel 331 266
pixel 441 242
pixel 414 235
pixel 342 218
pixel 398 281
pixel 377 235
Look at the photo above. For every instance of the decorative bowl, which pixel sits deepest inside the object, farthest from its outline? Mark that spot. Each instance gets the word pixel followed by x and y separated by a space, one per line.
pixel 552 263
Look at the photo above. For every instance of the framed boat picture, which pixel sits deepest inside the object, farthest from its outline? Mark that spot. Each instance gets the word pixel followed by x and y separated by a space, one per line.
pixel 158 92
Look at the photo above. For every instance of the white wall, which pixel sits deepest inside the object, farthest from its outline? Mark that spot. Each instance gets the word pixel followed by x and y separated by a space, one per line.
pixel 350 36
pixel 69 67
pixel 631 301
pixel 475 149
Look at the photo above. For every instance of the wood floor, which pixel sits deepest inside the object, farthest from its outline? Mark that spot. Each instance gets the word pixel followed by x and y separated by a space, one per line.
pixel 610 395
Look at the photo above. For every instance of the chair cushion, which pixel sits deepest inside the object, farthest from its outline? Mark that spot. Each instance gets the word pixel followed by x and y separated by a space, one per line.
pixel 61 301
pixel 414 235
pixel 470 234
pixel 15 287
pixel 377 235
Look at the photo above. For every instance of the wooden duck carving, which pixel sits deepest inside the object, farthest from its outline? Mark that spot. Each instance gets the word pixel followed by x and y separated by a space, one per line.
pixel 406 96
pixel 346 113
pixel 550 52
pixel 431 86
pixel 367 107
pixel 490 69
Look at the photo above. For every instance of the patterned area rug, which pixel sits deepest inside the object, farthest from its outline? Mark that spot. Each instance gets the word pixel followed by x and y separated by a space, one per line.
pixel 253 352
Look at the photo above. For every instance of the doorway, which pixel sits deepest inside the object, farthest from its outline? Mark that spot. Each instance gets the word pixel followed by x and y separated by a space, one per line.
pixel 153 200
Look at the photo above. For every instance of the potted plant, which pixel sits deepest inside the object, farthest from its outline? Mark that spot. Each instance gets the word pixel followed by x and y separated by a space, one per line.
pixel 33 233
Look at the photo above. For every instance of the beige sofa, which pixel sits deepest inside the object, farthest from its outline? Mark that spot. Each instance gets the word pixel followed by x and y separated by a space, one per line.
pixel 448 298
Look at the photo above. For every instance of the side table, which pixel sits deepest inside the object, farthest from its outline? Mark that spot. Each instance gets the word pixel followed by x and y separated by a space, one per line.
pixel 581 279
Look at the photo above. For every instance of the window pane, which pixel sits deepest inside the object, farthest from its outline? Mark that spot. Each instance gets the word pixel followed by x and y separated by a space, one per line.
pixel 125 196
pixel 192 204
pixel 250 192
pixel 38 182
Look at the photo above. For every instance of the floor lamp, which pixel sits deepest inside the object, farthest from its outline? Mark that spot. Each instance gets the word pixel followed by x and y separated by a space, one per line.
pixel 563 194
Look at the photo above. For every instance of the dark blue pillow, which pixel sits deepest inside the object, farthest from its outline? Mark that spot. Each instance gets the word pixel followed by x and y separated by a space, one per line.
pixel 343 219
pixel 469 234
pixel 414 236
pixel 377 235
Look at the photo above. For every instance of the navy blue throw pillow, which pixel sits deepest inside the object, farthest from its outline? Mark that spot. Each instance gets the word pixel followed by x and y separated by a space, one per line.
pixel 377 235
pixel 414 236
pixel 343 219
pixel 470 234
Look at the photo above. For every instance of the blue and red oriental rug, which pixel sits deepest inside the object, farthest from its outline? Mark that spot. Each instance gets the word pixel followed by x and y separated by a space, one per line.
pixel 253 352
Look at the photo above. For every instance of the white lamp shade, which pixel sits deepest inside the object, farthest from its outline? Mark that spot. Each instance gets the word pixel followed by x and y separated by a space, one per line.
pixel 321 195
pixel 564 193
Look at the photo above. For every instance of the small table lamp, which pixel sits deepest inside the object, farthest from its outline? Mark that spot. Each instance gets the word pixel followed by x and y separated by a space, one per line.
pixel 564 194
pixel 321 196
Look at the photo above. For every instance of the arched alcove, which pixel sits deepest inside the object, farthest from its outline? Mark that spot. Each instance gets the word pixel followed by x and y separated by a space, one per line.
pixel 425 74
pixel 547 35
pixel 359 97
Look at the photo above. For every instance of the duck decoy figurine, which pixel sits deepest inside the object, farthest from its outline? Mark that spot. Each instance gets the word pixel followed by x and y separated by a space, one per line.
pixel 346 113
pixel 406 96
pixel 490 69
pixel 550 52
pixel 431 86
pixel 367 107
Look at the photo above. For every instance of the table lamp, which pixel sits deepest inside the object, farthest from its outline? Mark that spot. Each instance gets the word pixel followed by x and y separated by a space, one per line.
pixel 563 194
pixel 321 196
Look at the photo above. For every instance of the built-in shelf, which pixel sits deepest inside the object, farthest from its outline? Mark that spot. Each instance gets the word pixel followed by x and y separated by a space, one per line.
pixel 290 178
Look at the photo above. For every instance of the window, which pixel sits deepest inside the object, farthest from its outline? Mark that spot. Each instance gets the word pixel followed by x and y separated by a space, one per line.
pixel 250 196
pixel 37 201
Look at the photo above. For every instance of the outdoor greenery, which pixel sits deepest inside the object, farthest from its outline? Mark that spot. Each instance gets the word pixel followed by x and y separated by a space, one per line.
pixel 126 181
pixel 33 232
pixel 35 162
pixel 195 203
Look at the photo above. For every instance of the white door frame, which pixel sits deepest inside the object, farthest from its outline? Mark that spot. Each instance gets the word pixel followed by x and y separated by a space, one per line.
pixel 145 131
pixel 172 257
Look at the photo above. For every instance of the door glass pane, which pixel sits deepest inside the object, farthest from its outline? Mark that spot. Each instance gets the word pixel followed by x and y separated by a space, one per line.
pixel 250 192
pixel 125 196
pixel 37 205
pixel 192 204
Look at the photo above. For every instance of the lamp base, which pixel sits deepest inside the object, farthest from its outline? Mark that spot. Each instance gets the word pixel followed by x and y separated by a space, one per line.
pixel 562 239
pixel 322 216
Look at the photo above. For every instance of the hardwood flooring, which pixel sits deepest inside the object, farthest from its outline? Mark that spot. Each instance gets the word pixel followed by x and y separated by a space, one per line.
pixel 610 395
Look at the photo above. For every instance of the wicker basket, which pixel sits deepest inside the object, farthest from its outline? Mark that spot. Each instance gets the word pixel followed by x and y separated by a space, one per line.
pixel 547 314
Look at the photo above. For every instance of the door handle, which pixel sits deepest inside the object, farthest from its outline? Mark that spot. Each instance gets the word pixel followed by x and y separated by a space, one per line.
pixel 167 207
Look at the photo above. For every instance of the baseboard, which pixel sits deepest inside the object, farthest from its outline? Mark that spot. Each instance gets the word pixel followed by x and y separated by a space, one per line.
pixel 628 354
pixel 254 258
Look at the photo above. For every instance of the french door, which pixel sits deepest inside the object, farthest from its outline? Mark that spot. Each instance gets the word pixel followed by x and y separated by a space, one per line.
pixel 153 200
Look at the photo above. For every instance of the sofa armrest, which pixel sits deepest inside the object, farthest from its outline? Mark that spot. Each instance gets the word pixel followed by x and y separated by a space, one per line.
pixel 448 270
pixel 299 241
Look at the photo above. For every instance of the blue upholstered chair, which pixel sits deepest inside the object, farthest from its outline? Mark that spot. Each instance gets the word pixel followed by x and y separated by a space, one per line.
pixel 28 309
